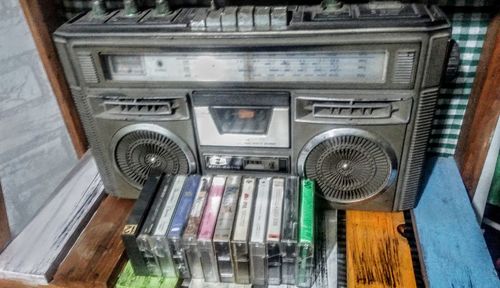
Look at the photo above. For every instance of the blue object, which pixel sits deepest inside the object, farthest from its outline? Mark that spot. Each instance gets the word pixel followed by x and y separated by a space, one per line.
pixel 451 245
pixel 184 207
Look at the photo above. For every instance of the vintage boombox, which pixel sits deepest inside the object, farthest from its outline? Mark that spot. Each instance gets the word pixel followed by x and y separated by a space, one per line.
pixel 343 95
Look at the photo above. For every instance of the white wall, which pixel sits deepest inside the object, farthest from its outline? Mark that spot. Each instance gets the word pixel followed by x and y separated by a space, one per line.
pixel 35 149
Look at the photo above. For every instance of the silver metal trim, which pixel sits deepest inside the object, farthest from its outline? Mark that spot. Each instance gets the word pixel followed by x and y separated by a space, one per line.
pixel 316 140
pixel 155 128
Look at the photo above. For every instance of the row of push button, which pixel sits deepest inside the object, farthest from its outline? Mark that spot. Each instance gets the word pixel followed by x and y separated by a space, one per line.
pixel 244 18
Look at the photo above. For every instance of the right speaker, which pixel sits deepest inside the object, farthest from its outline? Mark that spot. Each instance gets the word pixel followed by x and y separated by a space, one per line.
pixel 364 150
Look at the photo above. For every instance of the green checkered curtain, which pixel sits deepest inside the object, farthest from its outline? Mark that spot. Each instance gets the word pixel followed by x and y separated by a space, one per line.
pixel 469 27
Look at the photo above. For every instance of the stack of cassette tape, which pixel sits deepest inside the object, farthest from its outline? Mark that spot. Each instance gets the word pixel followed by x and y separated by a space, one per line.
pixel 224 228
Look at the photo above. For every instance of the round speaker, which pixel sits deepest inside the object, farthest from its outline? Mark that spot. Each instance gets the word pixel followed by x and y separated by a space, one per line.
pixel 348 165
pixel 139 148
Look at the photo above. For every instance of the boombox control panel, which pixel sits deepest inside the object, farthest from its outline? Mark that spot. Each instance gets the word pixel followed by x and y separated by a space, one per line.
pixel 341 94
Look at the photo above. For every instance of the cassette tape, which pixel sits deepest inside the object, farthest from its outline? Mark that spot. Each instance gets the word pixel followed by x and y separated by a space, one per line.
pixel 326 266
pixel 241 232
pixel 305 257
pixel 207 229
pixel 190 237
pixel 158 239
pixel 273 235
pixel 258 259
pixel 135 220
pixel 174 236
pixel 150 223
pixel 224 227
pixel 289 231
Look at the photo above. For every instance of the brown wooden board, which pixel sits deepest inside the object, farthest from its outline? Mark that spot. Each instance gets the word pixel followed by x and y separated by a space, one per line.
pixel 377 254
pixel 98 251
pixel 482 111
pixel 33 256
pixel 4 222
pixel 41 18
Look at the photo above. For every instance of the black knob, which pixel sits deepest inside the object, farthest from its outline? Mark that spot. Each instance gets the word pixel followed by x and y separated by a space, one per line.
pixel 453 65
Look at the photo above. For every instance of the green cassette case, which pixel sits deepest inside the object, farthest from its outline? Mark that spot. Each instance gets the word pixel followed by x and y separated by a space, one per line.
pixel 305 257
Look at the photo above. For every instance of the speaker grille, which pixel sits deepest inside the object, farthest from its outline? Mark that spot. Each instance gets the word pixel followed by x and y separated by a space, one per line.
pixel 139 151
pixel 418 146
pixel 349 168
pixel 89 71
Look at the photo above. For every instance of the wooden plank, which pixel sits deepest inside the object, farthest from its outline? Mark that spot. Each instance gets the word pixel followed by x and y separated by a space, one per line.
pixel 4 222
pixel 326 250
pixel 41 18
pixel 451 245
pixel 482 111
pixel 34 254
pixel 377 254
pixel 98 250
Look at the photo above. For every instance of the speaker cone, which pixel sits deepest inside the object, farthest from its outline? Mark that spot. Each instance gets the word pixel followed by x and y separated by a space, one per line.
pixel 140 148
pixel 348 165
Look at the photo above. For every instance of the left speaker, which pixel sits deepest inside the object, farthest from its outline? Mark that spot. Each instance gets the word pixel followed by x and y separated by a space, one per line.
pixel 132 134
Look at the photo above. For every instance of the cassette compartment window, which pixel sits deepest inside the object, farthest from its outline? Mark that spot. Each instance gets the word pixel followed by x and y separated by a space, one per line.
pixel 241 120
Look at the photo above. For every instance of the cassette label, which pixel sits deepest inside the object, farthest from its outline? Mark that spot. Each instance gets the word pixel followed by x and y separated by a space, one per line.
pixel 190 237
pixel 289 232
pixel 276 209
pixel 135 221
pixel 273 232
pixel 168 210
pixel 152 264
pixel 209 220
pixel 224 228
pixel 158 240
pixel 241 232
pixel 242 225
pixel 258 258
pixel 260 213
pixel 178 223
pixel 306 227
pixel 305 259
pixel 228 209
pixel 184 206
pixel 207 229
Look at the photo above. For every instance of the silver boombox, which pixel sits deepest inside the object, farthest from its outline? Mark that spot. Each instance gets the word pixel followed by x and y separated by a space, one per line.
pixel 342 95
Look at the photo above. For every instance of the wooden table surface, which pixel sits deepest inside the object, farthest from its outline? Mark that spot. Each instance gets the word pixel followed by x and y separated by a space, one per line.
pixel 378 252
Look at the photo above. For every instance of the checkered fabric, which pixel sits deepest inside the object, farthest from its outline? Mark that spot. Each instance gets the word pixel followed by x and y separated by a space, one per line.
pixel 469 20
pixel 468 29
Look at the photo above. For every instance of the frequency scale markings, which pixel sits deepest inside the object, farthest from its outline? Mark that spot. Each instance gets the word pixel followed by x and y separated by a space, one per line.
pixel 305 66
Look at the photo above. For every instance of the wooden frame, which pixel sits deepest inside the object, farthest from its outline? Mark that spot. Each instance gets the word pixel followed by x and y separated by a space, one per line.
pixel 4 223
pixel 482 111
pixel 41 16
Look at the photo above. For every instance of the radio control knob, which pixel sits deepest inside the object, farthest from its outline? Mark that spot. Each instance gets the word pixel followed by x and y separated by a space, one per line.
pixel 453 62
pixel 129 8
pixel 161 8
pixel 98 8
